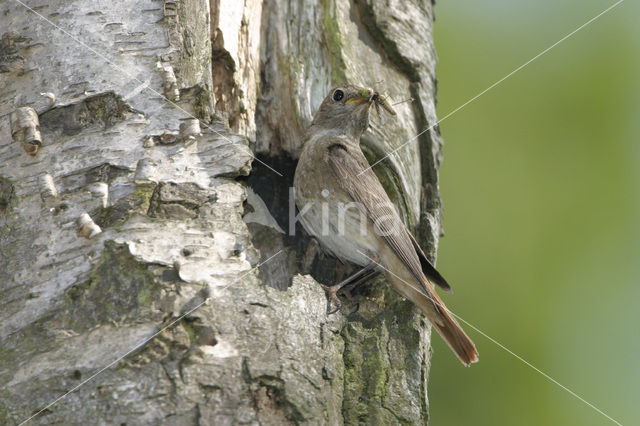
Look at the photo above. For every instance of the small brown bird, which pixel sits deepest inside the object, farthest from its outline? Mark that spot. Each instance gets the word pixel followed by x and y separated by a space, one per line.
pixel 343 205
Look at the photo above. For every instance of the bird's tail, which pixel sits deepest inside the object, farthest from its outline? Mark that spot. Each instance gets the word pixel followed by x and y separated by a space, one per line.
pixel 451 332
pixel 426 298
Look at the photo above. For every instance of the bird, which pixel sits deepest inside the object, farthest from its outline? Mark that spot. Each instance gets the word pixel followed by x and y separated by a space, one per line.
pixel 343 205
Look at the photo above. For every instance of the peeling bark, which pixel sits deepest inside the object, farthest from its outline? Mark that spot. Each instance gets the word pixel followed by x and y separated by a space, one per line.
pixel 128 219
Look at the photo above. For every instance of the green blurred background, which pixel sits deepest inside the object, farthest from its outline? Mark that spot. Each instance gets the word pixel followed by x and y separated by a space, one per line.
pixel 541 188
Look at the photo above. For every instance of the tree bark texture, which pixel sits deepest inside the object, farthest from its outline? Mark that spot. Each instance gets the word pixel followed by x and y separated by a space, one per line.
pixel 120 213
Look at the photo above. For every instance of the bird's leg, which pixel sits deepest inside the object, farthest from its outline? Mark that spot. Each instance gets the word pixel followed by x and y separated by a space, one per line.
pixel 356 278
pixel 362 279
pixel 359 281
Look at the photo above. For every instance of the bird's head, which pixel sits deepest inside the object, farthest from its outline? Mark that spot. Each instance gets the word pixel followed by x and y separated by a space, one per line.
pixel 345 110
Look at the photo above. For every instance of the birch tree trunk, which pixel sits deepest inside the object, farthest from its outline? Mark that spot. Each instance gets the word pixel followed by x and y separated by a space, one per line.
pixel 130 284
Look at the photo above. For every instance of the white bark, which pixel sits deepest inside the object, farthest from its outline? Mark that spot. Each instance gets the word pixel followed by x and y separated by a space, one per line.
pixel 124 220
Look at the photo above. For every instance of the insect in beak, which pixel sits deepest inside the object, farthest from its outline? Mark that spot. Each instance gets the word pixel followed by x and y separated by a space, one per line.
pixel 381 101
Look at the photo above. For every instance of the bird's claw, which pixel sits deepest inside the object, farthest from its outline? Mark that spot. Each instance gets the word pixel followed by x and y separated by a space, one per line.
pixel 332 292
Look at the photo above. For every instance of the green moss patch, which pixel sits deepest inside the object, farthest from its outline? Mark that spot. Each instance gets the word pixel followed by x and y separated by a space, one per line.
pixel 117 288
pixel 333 40
pixel 102 110
pixel 7 192
pixel 118 213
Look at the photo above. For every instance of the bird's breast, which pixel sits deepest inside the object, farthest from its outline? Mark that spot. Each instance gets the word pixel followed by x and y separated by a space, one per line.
pixel 335 220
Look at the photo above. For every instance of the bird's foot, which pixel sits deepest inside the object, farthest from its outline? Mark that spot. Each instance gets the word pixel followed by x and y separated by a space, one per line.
pixel 334 303
pixel 355 279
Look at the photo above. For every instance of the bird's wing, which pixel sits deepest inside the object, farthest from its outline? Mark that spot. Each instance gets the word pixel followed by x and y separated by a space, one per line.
pixel 356 177
pixel 428 269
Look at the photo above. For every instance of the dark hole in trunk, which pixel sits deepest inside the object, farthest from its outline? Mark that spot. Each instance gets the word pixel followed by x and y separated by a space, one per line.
pixel 296 257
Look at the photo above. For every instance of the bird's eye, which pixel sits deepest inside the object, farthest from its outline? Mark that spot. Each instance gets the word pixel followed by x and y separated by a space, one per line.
pixel 338 95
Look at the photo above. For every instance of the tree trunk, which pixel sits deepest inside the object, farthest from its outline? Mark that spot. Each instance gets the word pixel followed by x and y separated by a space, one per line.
pixel 128 276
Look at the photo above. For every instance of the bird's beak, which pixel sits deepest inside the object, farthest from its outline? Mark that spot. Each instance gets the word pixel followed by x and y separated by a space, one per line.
pixel 363 98
pixel 359 100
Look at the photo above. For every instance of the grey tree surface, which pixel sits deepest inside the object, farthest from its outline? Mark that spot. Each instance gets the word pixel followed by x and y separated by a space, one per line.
pixel 130 282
